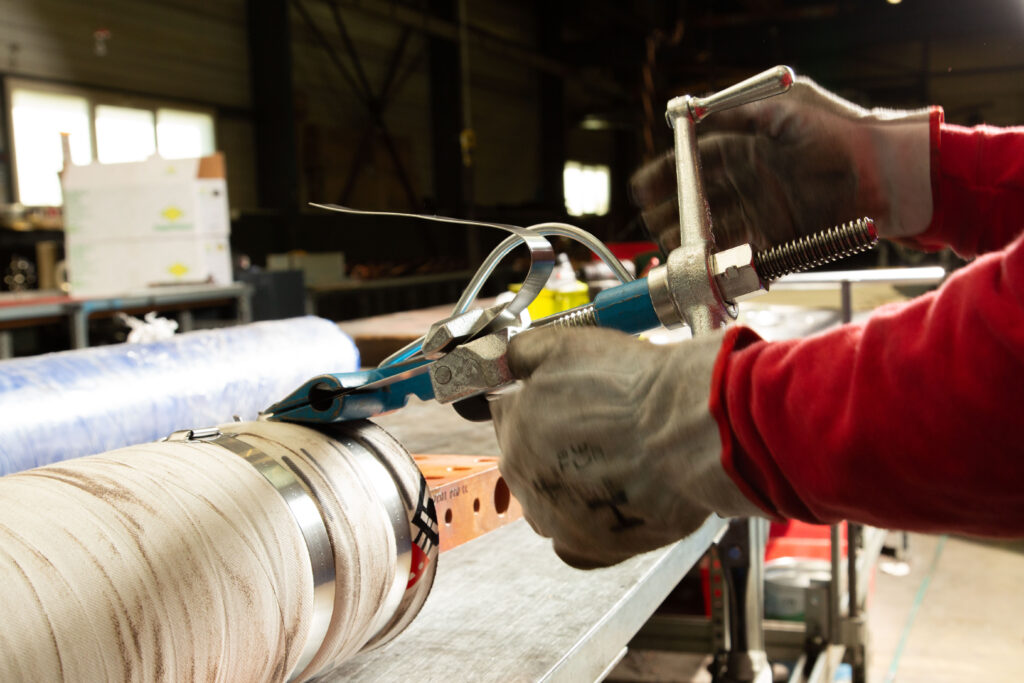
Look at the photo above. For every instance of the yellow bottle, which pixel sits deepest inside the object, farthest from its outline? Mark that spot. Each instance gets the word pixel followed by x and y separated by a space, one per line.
pixel 561 292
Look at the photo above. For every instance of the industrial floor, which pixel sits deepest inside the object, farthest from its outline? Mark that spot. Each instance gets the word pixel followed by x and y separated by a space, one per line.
pixel 953 613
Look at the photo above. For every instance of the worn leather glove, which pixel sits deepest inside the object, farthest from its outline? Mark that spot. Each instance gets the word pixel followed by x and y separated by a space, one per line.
pixel 609 444
pixel 797 163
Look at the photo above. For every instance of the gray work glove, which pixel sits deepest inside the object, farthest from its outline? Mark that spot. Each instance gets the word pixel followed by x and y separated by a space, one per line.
pixel 797 163
pixel 609 444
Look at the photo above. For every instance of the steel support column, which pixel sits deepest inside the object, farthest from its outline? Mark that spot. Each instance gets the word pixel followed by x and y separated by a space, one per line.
pixel 552 108
pixel 445 116
pixel 7 195
pixel 270 75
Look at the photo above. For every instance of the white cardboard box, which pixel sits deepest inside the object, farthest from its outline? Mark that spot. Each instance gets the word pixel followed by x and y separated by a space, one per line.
pixel 155 222
pixel 101 267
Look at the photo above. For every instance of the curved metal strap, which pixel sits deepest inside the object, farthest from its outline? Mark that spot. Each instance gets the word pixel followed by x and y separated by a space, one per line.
pixel 485 270
pixel 385 485
pixel 307 515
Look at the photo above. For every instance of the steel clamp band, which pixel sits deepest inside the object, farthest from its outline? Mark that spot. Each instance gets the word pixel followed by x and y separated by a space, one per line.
pixel 309 518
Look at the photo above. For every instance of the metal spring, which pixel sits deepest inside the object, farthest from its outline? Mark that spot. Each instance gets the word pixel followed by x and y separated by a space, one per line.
pixel 584 316
pixel 815 249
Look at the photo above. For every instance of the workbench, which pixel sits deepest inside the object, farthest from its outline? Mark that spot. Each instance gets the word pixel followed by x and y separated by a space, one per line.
pixel 503 606
pixel 36 307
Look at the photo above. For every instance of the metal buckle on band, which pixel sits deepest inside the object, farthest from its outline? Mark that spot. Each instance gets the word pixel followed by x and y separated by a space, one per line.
pixel 308 517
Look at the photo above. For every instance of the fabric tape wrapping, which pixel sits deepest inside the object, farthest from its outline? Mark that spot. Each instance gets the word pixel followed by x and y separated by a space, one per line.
pixel 309 518
pixel 74 403
pixel 181 560
pixel 168 561
pixel 350 491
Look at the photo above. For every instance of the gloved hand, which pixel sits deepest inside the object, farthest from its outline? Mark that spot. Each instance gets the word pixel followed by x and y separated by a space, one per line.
pixel 797 163
pixel 609 444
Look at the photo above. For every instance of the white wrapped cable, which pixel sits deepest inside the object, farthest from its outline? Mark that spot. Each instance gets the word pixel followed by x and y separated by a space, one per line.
pixel 194 559
pixel 74 403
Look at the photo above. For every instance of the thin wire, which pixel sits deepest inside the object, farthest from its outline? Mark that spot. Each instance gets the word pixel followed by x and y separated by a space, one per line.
pixel 426 217
pixel 542 260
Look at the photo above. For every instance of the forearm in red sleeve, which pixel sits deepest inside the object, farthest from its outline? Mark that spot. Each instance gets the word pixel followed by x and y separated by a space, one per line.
pixel 977 188
pixel 910 421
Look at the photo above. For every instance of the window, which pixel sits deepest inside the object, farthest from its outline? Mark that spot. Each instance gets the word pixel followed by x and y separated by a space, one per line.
pixel 183 134
pixel 587 189
pixel 124 134
pixel 119 133
pixel 38 119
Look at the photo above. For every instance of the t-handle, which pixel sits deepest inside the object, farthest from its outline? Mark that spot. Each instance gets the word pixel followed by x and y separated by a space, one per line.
pixel 702 304
pixel 774 81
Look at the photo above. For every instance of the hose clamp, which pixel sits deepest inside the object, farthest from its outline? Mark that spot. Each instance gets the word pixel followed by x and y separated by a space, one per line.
pixel 307 515
pixel 387 488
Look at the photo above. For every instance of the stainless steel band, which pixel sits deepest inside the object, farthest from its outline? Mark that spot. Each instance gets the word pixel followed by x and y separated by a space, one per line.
pixel 308 516
pixel 387 488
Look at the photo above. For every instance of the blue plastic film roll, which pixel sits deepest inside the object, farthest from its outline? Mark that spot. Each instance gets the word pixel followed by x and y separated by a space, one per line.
pixel 65 405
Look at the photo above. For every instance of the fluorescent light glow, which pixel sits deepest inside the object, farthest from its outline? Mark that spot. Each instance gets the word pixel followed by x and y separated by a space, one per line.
pixel 124 134
pixel 587 189
pixel 38 119
pixel 894 2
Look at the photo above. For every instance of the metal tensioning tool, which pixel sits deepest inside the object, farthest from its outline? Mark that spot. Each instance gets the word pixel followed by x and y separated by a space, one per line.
pixel 463 356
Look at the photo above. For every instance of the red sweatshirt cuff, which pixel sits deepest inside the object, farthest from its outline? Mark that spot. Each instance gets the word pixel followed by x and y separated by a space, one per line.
pixel 932 238
pixel 977 188
pixel 935 120
pixel 736 338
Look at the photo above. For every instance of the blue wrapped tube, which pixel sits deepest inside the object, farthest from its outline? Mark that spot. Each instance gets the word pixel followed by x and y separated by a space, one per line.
pixel 65 405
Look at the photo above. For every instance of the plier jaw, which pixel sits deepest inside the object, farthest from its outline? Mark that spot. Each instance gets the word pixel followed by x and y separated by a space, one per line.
pixel 354 395
pixel 458 358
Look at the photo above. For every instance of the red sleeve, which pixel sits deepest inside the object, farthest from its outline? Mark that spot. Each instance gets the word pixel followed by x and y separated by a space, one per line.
pixel 977 187
pixel 910 420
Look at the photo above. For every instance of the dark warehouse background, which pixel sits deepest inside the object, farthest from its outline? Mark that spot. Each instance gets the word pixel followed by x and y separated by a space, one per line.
pixel 362 102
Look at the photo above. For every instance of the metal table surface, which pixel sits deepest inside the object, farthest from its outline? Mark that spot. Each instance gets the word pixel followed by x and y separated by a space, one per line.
pixel 503 606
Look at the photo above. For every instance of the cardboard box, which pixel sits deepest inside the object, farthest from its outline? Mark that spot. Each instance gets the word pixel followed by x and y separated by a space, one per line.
pixel 154 222
pixel 101 267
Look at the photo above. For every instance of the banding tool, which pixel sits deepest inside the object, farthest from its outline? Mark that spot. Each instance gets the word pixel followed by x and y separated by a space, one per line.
pixel 463 356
